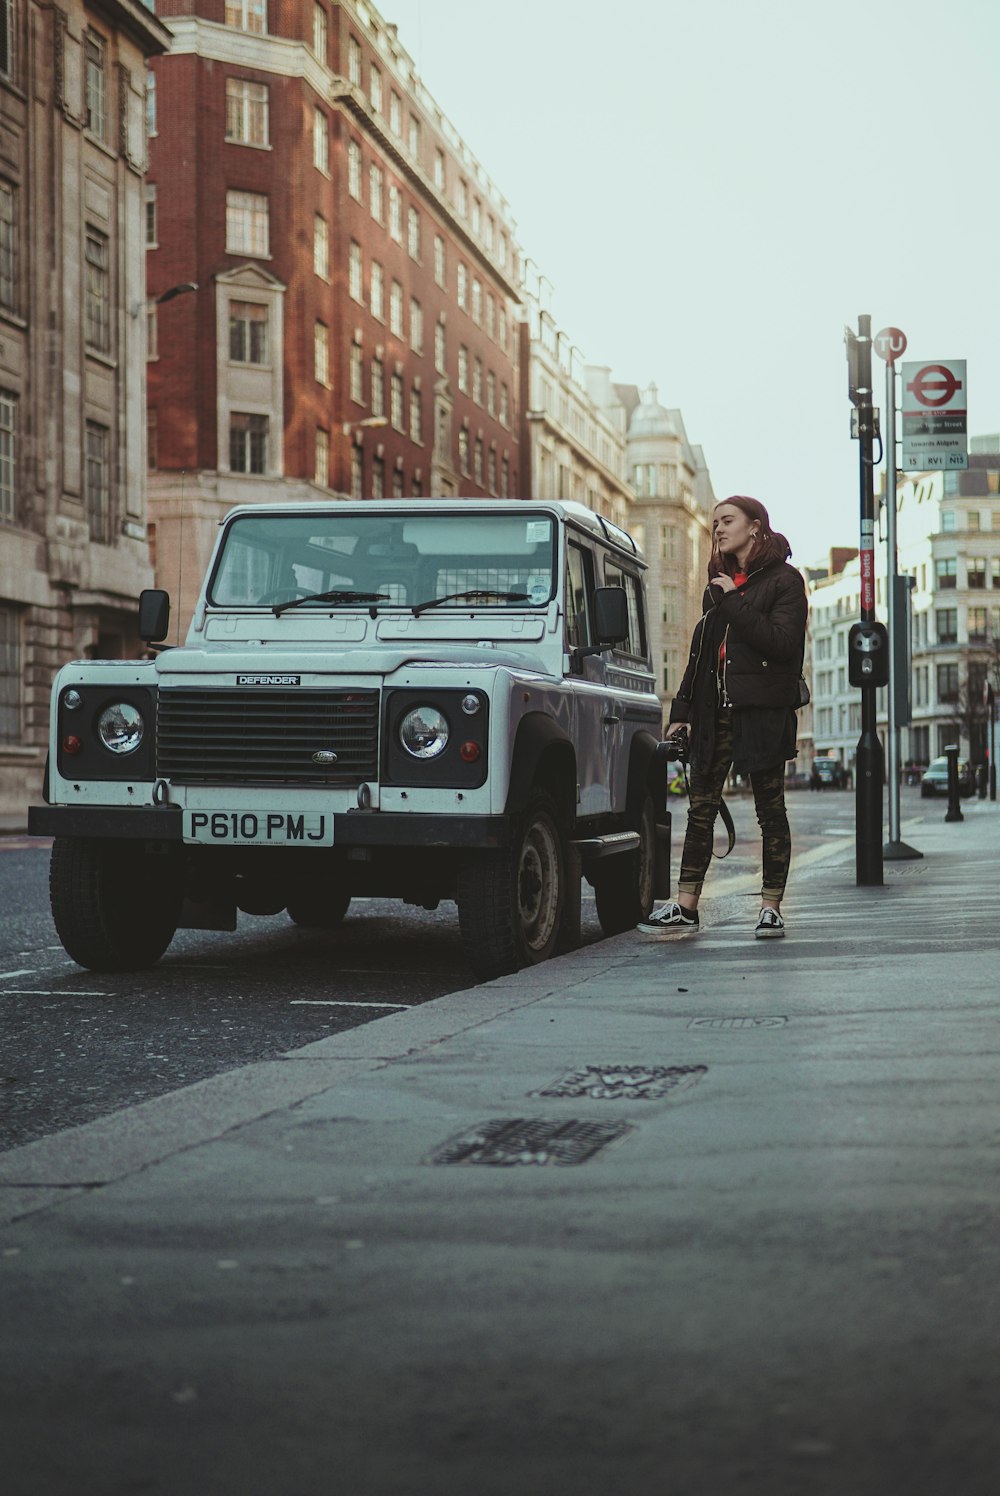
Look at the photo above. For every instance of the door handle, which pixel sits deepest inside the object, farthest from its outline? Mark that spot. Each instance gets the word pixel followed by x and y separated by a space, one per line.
pixel 610 721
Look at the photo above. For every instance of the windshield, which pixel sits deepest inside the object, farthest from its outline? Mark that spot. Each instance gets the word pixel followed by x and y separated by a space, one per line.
pixel 269 559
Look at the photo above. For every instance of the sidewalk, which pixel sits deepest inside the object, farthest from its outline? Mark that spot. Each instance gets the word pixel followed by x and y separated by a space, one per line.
pixel 783 1279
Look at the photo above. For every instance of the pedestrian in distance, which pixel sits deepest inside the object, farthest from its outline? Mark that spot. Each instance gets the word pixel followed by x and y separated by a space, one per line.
pixel 736 704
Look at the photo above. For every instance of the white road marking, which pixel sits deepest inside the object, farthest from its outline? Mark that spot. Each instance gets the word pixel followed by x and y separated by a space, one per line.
pixel 22 971
pixel 338 1002
pixel 58 992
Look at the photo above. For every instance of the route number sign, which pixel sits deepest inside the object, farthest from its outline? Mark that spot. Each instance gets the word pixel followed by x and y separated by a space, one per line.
pixel 935 415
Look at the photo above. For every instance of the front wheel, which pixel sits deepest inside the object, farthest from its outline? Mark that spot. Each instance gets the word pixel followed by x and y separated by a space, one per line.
pixel 510 902
pixel 115 906
pixel 623 884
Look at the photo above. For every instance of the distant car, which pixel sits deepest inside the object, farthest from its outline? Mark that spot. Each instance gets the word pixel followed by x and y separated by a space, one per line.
pixel 934 780
pixel 827 771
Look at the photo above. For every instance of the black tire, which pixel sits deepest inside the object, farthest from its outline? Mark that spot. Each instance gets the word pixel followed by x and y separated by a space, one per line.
pixel 926 793
pixel 319 909
pixel 623 885
pixel 115 907
pixel 510 903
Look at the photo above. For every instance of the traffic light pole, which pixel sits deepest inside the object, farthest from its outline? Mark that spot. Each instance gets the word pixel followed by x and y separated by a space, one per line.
pixel 868 764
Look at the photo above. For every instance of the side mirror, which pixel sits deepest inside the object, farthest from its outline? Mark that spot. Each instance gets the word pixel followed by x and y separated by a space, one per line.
pixel 610 615
pixel 154 614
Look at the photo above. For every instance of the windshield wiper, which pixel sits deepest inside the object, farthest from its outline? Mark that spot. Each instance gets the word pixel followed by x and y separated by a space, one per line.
pixel 458 597
pixel 332 597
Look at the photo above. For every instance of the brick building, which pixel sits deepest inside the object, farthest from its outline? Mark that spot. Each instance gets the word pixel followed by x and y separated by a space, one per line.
pixel 73 552
pixel 354 331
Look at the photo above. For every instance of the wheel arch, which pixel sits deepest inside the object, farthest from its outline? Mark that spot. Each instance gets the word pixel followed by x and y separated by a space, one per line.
pixel 543 757
pixel 645 772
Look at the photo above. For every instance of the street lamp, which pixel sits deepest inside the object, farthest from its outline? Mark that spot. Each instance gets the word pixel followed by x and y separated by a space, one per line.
pixel 168 295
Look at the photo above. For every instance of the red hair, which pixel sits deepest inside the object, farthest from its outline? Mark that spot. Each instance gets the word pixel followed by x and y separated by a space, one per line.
pixel 768 546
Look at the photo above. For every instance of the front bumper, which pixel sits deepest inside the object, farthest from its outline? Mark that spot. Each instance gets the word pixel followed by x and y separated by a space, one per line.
pixel 358 828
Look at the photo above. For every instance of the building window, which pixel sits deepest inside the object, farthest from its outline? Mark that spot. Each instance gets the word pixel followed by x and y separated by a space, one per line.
pixel 947 625
pixel 947 683
pixel 93 51
pixel 972 520
pixel 378 477
pixel 477 216
pixel 671 605
pixel 248 332
pixel 416 416
pixel 396 402
pixel 375 90
pixel 477 302
pixel 502 328
pixel 8 247
pixel 416 325
pixel 354 169
pixel 670 551
pixel 490 236
pixel 247 120
pixel 397 483
pixel 462 195
pixel 10 676
pixel 246 223
pixel 375 191
pixel 395 114
pixel 478 461
pixel 462 286
pixel 378 387
pixel 321 246
pixel 440 348
pixel 377 298
pixel 947 521
pixel 247 443
pixel 491 393
pixel 98 294
pixel 354 61
pixel 247 15
pixel 491 469
pixel 8 457
pixel 439 261
pixel 978 627
pixel 149 198
pixel 463 451
pixel 505 479
pixel 413 137
pixel 321 353
pixel 321 142
pixel 503 251
pixel 463 370
pixel 321 465
pixel 150 105
pixel 319 32
pixel 395 214
pixel 477 381
pixel 976 572
pixel 439 170
pixel 7 36
pixel 491 317
pixel 396 309
pixel 98 483
pixel 504 405
pixel 355 280
pixel 413 233
pixel 357 474
pixel 357 374
pixel 151 441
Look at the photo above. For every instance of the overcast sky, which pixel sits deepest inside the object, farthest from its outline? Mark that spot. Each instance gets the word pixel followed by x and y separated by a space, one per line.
pixel 715 187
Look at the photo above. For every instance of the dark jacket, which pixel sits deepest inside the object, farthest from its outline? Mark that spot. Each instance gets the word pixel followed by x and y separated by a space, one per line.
pixel 763 627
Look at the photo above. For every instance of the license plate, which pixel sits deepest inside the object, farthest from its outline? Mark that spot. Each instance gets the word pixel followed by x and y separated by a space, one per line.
pixel 258 828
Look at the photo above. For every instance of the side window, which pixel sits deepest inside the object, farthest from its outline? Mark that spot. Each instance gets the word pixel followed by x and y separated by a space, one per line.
pixel 579 570
pixel 635 644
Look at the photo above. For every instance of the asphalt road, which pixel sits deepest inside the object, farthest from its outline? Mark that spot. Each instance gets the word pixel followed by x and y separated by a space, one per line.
pixel 75 1045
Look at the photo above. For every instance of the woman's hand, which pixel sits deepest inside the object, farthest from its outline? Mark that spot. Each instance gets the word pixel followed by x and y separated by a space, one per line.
pixel 723 582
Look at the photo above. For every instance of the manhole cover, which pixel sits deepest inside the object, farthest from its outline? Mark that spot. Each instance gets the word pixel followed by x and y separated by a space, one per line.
pixel 529 1141
pixel 737 1023
pixel 625 1082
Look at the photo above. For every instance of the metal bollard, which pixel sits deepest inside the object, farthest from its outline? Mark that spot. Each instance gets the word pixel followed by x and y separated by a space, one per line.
pixel 954 807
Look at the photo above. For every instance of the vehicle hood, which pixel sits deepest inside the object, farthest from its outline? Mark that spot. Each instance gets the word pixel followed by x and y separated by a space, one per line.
pixel 319 659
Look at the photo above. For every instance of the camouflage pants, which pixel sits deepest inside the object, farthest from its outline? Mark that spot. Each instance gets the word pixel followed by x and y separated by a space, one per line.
pixel 769 800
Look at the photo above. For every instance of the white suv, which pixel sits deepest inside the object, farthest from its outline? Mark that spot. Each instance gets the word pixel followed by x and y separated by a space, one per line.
pixel 425 700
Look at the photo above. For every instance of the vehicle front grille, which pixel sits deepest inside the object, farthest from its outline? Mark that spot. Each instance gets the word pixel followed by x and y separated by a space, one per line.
pixel 266 736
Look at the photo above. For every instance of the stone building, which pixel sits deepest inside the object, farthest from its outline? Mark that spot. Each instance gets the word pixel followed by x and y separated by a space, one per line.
pixel 73 549
pixel 354 331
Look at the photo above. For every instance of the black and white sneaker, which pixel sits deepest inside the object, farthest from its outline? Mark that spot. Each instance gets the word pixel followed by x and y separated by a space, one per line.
pixel 770 925
pixel 668 920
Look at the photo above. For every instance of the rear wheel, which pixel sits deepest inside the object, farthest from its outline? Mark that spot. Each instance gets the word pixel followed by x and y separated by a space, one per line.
pixel 510 902
pixel 115 907
pixel 319 908
pixel 623 885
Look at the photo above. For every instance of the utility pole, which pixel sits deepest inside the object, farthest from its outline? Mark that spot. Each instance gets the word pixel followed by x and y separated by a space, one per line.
pixel 868 652
pixel 890 344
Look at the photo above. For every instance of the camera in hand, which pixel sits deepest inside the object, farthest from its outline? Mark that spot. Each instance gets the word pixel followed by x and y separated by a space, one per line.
pixel 675 747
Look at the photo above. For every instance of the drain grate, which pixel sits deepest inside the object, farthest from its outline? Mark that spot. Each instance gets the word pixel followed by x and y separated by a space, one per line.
pixel 904 869
pixel 625 1082
pixel 529 1140
pixel 774 1021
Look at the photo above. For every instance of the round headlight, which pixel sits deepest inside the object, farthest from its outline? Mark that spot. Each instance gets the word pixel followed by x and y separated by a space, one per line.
pixel 423 732
pixel 120 728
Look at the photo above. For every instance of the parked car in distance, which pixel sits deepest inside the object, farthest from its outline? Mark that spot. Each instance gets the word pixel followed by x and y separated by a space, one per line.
pixel 934 780
pixel 827 772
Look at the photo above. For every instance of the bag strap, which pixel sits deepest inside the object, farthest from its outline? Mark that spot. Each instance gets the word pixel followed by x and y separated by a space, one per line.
pixel 724 812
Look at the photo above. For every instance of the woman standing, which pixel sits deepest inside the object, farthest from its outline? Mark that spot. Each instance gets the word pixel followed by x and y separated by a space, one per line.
pixel 737 702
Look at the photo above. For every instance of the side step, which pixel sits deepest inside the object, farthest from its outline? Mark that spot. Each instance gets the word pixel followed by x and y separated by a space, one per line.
pixel 592 847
